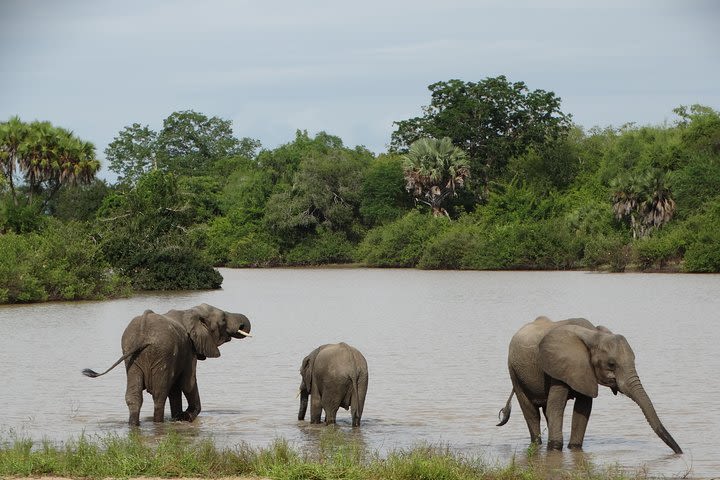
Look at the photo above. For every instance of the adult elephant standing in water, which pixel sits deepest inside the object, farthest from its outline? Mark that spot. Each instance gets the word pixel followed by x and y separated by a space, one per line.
pixel 552 362
pixel 335 375
pixel 161 354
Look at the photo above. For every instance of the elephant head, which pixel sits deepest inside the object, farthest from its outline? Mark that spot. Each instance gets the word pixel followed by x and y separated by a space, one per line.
pixel 209 327
pixel 584 358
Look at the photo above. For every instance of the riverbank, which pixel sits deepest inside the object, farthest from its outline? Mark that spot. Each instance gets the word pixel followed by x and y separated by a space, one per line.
pixel 174 456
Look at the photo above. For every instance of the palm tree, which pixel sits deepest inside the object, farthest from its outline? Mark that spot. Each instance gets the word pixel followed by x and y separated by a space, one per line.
pixel 12 135
pixel 644 199
pixel 434 170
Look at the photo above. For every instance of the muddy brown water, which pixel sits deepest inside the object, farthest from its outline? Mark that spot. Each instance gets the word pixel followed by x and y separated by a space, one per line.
pixel 436 345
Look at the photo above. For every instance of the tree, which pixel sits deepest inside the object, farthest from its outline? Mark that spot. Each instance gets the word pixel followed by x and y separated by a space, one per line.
pixel 40 159
pixel 133 153
pixel 434 170
pixel 144 236
pixel 189 144
pixel 644 200
pixel 491 120
pixel 384 197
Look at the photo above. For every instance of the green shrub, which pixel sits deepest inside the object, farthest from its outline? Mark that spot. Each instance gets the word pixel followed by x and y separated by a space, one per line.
pixel 449 249
pixel 253 250
pixel 402 242
pixel 61 262
pixel 612 251
pixel 324 247
pixel 657 250
pixel 703 253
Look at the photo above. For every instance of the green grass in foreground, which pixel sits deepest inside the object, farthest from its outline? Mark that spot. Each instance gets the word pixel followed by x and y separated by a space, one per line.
pixel 335 458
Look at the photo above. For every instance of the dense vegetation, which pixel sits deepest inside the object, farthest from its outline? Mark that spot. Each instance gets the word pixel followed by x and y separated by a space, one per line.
pixel 335 457
pixel 493 175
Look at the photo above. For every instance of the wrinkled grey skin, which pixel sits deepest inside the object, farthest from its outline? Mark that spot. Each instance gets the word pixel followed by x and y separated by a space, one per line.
pixel 335 375
pixel 552 362
pixel 161 354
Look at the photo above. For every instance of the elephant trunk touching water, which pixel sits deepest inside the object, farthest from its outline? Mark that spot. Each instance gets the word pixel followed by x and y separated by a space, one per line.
pixel 552 362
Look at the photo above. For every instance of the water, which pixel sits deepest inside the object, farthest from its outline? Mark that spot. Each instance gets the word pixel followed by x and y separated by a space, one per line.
pixel 436 345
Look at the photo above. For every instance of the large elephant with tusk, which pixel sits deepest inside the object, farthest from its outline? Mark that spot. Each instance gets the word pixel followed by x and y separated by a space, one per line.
pixel 161 354
pixel 553 362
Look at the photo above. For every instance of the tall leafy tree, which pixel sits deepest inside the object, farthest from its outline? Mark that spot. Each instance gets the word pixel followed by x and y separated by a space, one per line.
pixel 492 120
pixel 190 144
pixel 434 171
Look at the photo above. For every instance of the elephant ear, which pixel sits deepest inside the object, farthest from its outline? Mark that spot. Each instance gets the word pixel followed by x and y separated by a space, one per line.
pixel 564 355
pixel 306 372
pixel 202 339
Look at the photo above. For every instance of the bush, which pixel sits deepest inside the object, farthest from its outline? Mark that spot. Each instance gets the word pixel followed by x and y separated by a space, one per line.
pixel 658 250
pixel 400 243
pixel 703 253
pixel 62 262
pixel 611 251
pixel 324 247
pixel 253 250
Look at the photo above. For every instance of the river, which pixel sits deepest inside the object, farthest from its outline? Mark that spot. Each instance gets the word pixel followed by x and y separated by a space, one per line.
pixel 436 345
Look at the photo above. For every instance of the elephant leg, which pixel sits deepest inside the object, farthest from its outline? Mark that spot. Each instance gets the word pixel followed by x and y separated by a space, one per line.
pixel 315 403
pixel 557 399
pixel 175 402
pixel 159 400
pixel 192 395
pixel 133 394
pixel 532 416
pixel 581 416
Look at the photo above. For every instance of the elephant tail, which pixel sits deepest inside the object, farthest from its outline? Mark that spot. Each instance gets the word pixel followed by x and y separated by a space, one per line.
pixel 504 414
pixel 92 373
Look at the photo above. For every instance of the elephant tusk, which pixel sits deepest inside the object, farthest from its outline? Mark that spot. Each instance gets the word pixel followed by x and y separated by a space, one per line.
pixel 244 334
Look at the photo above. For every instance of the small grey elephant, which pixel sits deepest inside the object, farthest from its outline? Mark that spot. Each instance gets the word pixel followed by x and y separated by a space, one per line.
pixel 553 362
pixel 161 354
pixel 335 375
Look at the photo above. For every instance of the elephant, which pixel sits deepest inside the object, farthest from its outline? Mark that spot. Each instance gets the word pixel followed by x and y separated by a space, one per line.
pixel 161 354
pixel 553 362
pixel 335 375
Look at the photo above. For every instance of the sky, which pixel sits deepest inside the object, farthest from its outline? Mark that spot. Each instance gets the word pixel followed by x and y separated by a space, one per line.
pixel 347 68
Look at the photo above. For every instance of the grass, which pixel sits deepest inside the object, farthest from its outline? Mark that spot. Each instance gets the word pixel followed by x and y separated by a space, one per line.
pixel 334 458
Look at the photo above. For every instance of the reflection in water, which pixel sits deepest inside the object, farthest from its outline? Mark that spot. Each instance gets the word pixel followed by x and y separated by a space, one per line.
pixel 436 345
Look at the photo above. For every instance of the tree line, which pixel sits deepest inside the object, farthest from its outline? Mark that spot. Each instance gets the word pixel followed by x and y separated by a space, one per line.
pixel 491 176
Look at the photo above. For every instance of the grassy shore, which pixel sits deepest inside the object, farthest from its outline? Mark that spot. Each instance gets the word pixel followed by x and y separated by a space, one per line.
pixel 335 458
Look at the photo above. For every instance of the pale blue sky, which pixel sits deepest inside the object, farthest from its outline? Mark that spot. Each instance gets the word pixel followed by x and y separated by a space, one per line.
pixel 349 68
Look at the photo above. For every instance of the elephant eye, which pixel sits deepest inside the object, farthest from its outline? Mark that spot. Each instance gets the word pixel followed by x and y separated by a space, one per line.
pixel 611 364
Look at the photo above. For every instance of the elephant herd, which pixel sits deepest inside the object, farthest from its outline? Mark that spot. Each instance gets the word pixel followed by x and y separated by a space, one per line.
pixel 549 364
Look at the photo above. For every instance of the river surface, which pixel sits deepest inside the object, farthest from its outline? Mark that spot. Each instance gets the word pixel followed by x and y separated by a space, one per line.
pixel 436 345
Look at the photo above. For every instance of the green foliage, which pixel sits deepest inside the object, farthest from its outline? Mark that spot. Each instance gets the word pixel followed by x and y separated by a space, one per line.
pixel 38 159
pixel 189 144
pixel 492 120
pixel 400 243
pixel 80 202
pixel 325 247
pixel 611 251
pixel 143 235
pixel 383 196
pixel 434 171
pixel 326 192
pixel 60 262
pixel 703 252
pixel 254 249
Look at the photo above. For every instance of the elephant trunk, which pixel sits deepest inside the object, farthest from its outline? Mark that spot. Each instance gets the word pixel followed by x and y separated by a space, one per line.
pixel 304 394
pixel 633 388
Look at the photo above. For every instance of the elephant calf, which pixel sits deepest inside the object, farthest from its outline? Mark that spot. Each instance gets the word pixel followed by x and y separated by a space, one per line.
pixel 161 354
pixel 335 375
pixel 552 362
